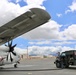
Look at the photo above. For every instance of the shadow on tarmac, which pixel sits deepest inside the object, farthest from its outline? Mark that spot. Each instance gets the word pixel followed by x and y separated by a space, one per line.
pixel 12 69
pixel 16 70
pixel 72 68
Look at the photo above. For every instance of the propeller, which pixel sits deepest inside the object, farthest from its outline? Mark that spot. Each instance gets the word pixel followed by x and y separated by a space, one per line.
pixel 11 50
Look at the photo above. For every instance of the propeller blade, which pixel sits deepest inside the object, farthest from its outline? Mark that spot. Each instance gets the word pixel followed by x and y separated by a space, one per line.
pixel 7 56
pixel 11 58
pixel 14 53
pixel 11 43
pixel 8 43
pixel 14 45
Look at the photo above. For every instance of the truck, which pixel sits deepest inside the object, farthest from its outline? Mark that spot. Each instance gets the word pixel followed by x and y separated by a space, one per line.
pixel 66 59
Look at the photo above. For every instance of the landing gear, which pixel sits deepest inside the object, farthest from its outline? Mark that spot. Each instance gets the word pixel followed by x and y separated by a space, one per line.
pixel 15 65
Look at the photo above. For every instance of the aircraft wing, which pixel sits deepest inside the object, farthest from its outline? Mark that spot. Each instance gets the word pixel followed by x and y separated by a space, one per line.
pixel 22 24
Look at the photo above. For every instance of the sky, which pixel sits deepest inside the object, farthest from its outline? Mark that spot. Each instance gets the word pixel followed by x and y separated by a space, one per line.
pixel 56 35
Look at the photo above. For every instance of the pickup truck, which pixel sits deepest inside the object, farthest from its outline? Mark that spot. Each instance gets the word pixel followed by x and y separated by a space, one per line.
pixel 65 59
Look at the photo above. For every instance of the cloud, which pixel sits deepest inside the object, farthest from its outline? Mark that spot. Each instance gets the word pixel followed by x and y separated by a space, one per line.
pixel 64 42
pixel 59 15
pixel 10 10
pixel 49 30
pixel 70 32
pixel 33 3
pixel 53 43
pixel 29 2
pixel 37 50
pixel 36 2
pixel 72 7
pixel 18 1
pixel 20 51
pixel 40 42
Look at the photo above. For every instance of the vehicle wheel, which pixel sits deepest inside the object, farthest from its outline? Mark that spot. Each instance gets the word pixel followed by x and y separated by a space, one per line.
pixel 15 65
pixel 58 65
pixel 66 66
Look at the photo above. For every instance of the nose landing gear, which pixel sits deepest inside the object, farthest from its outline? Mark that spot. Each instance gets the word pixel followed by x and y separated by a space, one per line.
pixel 16 65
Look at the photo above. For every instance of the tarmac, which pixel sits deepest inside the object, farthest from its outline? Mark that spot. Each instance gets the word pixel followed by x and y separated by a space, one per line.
pixel 44 66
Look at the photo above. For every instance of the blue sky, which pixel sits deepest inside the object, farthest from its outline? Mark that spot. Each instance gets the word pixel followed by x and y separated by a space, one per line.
pixel 59 32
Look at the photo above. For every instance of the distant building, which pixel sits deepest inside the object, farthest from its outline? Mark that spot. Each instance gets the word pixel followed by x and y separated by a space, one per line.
pixel 36 56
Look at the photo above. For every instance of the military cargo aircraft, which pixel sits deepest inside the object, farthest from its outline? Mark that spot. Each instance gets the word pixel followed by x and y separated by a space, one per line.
pixel 16 27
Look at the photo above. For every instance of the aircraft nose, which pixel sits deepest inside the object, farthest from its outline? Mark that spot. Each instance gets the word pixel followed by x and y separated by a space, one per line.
pixel 41 13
